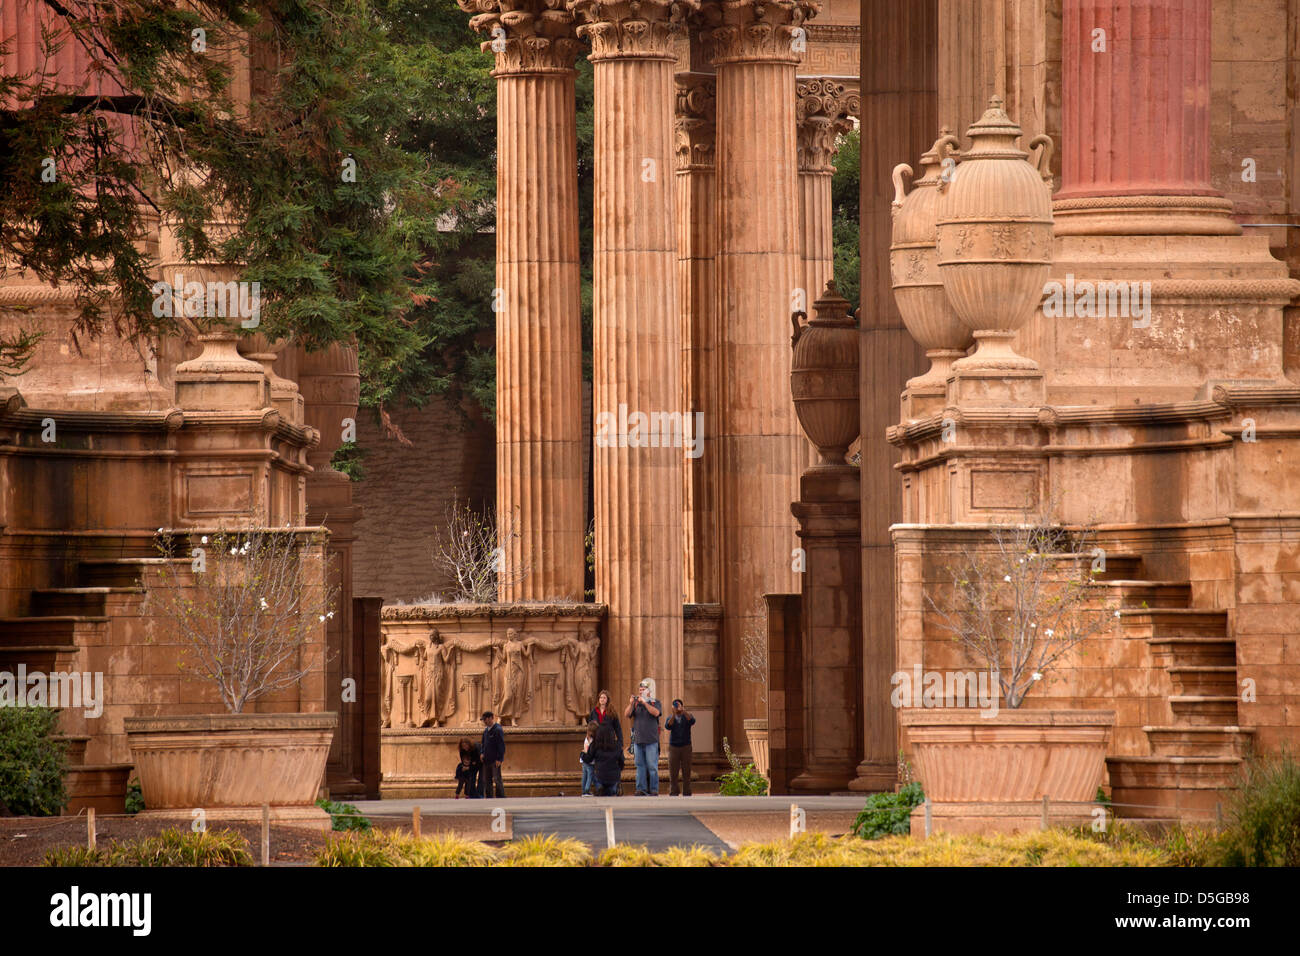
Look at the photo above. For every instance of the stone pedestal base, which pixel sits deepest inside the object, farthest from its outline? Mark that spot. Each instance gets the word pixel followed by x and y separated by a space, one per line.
pixel 983 387
pixel 540 761
pixel 1011 817
pixel 829 522
pixel 922 399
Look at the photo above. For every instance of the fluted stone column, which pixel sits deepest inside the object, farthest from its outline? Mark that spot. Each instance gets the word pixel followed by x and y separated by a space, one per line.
pixel 823 106
pixel 755 51
pixel 1136 120
pixel 540 513
pixel 636 360
pixel 697 294
pixel 899 121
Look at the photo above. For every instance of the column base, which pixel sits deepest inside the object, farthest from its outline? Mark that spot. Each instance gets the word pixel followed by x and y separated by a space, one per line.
pixel 1143 216
pixel 822 780
pixel 922 400
pixel 875 776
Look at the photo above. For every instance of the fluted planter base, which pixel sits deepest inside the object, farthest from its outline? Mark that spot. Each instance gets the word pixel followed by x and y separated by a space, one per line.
pixel 760 746
pixel 230 765
pixel 963 756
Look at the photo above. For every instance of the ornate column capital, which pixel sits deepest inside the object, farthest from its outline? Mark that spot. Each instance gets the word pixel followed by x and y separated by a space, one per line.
pixel 527 36
pixel 770 31
pixel 631 29
pixel 696 120
pixel 824 108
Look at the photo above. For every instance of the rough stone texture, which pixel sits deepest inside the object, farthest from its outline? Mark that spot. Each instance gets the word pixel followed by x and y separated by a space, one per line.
pixel 406 491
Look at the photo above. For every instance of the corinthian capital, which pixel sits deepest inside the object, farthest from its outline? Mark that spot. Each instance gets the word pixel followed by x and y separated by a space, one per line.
pixel 771 31
pixel 697 95
pixel 630 29
pixel 824 108
pixel 527 36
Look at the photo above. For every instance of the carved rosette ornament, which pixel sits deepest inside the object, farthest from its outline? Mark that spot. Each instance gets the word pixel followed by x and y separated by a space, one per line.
pixel 631 29
pixel 824 378
pixel 822 114
pixel 914 264
pixel 696 126
pixel 995 238
pixel 770 31
pixel 526 36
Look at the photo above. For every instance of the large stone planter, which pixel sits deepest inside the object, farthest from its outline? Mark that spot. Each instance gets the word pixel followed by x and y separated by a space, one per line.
pixel 993 772
pixel 230 765
pixel 759 745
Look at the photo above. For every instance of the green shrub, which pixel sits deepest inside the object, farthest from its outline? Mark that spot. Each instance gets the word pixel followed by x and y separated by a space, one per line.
pixel 134 796
pixel 169 848
pixel 889 814
pixel 1263 819
pixel 344 816
pixel 32 764
pixel 741 780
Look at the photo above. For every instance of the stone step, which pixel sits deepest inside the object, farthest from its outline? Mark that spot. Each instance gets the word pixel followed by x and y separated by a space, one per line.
pixel 1204 711
pixel 46 629
pixel 1189 788
pixel 1199 680
pixel 1149 594
pixel 38 657
pixel 115 572
pixel 1200 741
pixel 75 601
pixel 1174 622
pixel 1174 652
pixel 1121 566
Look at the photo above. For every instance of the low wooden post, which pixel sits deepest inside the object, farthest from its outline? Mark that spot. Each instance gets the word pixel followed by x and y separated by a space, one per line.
pixel 927 817
pixel 266 834
pixel 1044 821
pixel 91 837
pixel 415 821
pixel 609 826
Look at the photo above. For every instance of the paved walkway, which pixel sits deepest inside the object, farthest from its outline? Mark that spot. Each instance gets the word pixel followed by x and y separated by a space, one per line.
pixel 657 822
pixel 632 807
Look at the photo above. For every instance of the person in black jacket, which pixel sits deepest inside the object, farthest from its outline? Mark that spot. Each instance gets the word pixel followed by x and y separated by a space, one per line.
pixel 604 713
pixel 469 769
pixel 494 751
pixel 606 760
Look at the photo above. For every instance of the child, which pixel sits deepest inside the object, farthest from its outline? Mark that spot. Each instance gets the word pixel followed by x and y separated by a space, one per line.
pixel 467 771
pixel 585 758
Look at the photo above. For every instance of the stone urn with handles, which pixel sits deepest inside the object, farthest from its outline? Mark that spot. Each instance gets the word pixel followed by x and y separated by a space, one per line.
pixel 994 238
pixel 914 264
pixel 824 378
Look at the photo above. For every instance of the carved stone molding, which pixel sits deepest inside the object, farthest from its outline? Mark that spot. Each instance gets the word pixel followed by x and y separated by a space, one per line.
pixel 738 31
pixel 696 126
pixel 632 29
pixel 526 36
pixel 824 110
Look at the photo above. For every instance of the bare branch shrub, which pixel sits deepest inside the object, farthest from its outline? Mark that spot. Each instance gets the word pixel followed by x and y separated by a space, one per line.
pixel 471 553
pixel 1022 604
pixel 250 607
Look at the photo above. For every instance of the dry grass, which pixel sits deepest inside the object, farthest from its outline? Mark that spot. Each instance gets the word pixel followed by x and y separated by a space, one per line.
pixel 396 848
pixel 549 850
pixel 1047 848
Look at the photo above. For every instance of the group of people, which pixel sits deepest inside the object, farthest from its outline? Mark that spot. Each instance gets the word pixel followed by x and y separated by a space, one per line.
pixel 602 754
pixel 478 774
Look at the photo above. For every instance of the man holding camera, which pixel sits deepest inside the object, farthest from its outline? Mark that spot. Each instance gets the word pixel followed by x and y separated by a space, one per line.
pixel 644 710
pixel 679 748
